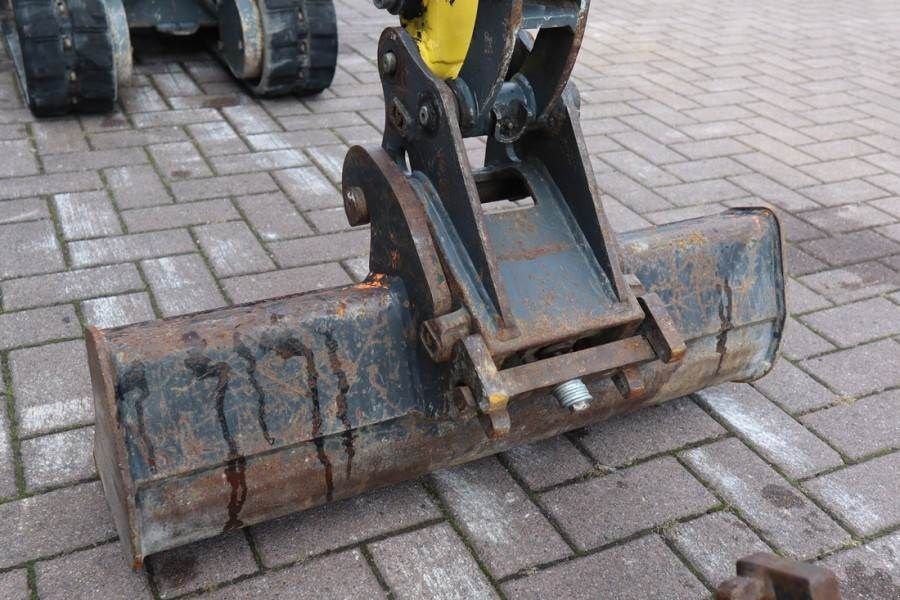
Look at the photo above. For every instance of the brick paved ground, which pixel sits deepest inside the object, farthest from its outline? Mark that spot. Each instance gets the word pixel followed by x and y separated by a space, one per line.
pixel 194 196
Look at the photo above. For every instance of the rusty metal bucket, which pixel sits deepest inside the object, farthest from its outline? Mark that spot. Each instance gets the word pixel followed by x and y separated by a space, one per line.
pixel 219 420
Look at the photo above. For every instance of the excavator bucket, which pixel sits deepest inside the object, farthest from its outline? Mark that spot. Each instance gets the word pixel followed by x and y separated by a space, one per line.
pixel 500 309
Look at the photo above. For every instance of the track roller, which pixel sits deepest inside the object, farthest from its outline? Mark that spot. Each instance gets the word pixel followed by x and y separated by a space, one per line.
pixel 279 47
pixel 69 54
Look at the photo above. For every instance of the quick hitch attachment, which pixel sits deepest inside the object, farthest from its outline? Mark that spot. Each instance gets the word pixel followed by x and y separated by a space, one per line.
pixel 509 302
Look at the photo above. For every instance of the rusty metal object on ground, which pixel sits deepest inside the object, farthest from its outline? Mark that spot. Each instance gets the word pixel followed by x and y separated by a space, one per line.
pixel 470 319
pixel 764 576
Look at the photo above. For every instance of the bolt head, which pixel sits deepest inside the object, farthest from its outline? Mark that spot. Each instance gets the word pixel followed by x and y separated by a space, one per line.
pixel 580 406
pixel 355 206
pixel 387 64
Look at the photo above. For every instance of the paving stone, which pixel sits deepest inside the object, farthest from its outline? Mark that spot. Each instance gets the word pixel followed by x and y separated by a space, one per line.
pixel 299 536
pixel 115 311
pixel 136 186
pixel 889 205
pixel 701 192
pixel 801 299
pixel 853 282
pixel 776 170
pixel 799 342
pixel 643 569
pixel 55 522
pixel 630 193
pixel 844 192
pixel 59 135
pixel 771 191
pixel 840 170
pixel 52 387
pixel 850 248
pixel 26 209
pixel 232 249
pixel 250 288
pixel 343 575
pixel 772 432
pixel 86 215
pixel 787 520
pixel 129 247
pixel 28 327
pixel 179 160
pixel 605 509
pixel 800 263
pixel 225 185
pixel 864 496
pixel 506 529
pixel 259 161
pixel 14 585
pixel 548 462
pixel 864 427
pixel 172 216
pixel 58 458
pixel 100 572
pixel 216 139
pixel 7 460
pixel 273 217
pixel 323 248
pixel 876 364
pixel 430 563
pixel 639 168
pixel 69 285
pixel 713 543
pixel 93 160
pixel 28 248
pixel 847 217
pixel 18 158
pixel 202 565
pixel 105 140
pixel 182 284
pixel 649 431
pixel 792 389
pixel 250 119
pixel 308 188
pixel 853 324
pixel 870 571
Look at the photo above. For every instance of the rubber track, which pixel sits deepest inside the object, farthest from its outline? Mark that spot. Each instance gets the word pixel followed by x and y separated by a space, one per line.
pixel 300 55
pixel 49 62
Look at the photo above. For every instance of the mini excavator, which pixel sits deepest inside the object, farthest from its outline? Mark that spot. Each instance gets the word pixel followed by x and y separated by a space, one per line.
pixel 500 308
pixel 73 55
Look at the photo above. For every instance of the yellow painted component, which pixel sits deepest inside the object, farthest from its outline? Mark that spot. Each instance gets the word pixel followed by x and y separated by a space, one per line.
pixel 443 33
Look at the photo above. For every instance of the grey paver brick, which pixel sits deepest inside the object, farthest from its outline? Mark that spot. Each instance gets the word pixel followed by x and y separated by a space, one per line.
pixel 105 140
pixel 772 432
pixel 259 161
pixel 179 160
pixel 430 563
pixel 771 191
pixel 850 248
pixel 548 462
pixel 844 192
pixel 115 311
pixel 28 248
pixel 250 119
pixel 93 160
pixel 639 570
pixel 776 170
pixel 777 149
pixel 864 427
pixel 856 323
pixel 701 192
pixel 60 135
pixel 179 215
pixel 57 521
pixel 650 431
pixel 100 572
pixel 508 535
pixel 330 159
pixel 876 364
pixel 25 209
pixel 853 282
pixel 18 158
pixel 69 285
pixel 130 247
pixel 888 205
pixel 604 509
pixel 51 385
pixel 713 542
pixel 309 250
pixel 864 496
pixel 202 564
pixel 870 571
pixel 136 186
pixel 86 215
pixel 793 389
pixel 58 458
pixel 343 575
pixel 182 284
pixel 300 536
pixel 223 185
pixel 630 193
pixel 847 217
pixel 308 188
pixel 638 168
pixel 38 325
pixel 801 299
pixel 785 518
pixel 232 249
pixel 216 138
pixel 14 585
pixel 7 460
pixel 250 288
pixel 273 217
pixel 291 139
